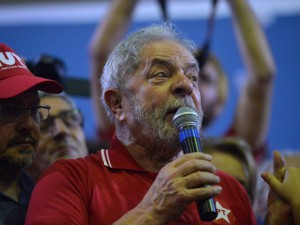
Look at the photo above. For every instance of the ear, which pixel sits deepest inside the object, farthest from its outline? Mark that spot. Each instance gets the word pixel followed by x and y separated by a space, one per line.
pixel 113 99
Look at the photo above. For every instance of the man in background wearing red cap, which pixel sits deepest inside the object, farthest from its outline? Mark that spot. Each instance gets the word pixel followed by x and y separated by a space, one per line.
pixel 20 116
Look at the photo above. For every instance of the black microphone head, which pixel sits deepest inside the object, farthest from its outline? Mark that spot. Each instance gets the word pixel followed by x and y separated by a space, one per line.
pixel 185 116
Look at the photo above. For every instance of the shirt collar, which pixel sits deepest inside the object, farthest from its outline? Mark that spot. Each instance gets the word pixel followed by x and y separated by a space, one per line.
pixel 118 157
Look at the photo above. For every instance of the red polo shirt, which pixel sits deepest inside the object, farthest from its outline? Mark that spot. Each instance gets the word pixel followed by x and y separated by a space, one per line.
pixel 99 189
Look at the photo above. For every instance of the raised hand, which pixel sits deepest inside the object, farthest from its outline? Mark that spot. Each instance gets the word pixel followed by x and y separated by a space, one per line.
pixel 279 211
pixel 178 184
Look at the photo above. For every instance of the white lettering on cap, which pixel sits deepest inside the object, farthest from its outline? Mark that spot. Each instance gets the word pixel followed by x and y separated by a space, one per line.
pixel 10 59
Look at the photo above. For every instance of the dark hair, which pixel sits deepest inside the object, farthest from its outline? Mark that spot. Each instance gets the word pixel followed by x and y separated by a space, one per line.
pixel 47 66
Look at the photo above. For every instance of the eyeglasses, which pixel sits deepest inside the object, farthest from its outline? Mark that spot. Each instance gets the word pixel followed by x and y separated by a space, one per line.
pixel 37 112
pixel 71 118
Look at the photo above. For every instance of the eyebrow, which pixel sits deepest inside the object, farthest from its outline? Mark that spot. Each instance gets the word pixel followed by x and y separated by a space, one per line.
pixel 161 62
pixel 191 66
pixel 164 62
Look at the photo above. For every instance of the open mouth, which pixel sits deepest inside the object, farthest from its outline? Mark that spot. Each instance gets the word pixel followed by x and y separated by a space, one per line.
pixel 173 110
pixel 171 113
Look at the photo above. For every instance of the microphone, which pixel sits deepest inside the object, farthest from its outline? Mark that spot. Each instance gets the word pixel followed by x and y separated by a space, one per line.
pixel 186 121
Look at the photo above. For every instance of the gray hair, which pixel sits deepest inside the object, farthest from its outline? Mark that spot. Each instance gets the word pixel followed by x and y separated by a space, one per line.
pixel 126 57
pixel 62 95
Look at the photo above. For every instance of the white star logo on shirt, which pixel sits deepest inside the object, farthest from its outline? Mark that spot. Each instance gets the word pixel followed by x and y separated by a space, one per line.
pixel 222 212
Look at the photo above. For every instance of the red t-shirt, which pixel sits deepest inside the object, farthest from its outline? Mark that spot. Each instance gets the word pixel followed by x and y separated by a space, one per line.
pixel 99 189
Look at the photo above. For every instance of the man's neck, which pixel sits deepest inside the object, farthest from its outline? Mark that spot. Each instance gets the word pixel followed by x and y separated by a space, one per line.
pixel 149 157
pixel 13 190
pixel 152 160
pixel 9 184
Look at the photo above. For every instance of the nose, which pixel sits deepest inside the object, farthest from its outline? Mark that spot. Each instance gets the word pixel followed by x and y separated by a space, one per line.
pixel 182 86
pixel 27 124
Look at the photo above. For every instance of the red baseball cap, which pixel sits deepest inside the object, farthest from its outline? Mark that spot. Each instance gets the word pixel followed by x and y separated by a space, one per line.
pixel 15 77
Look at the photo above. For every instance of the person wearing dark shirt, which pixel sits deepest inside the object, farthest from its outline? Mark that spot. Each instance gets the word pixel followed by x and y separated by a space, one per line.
pixel 20 116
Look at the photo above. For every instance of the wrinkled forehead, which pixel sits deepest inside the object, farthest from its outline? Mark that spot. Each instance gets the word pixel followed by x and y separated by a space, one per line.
pixel 57 104
pixel 167 49
pixel 167 46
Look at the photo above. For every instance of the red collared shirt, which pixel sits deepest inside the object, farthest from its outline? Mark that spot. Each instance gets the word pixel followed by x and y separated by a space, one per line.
pixel 102 187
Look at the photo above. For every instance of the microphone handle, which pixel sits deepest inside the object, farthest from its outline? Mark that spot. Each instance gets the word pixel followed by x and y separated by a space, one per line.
pixel 190 142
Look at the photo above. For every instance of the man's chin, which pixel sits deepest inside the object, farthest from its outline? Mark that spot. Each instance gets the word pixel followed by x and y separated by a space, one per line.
pixel 20 161
pixel 28 151
pixel 21 155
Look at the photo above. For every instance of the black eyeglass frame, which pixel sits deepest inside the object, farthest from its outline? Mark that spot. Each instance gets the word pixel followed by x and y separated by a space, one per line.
pixel 16 112
pixel 50 120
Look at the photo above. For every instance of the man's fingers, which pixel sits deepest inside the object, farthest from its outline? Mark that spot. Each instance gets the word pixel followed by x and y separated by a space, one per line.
pixel 204 192
pixel 193 166
pixel 278 165
pixel 194 155
pixel 199 179
pixel 272 181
